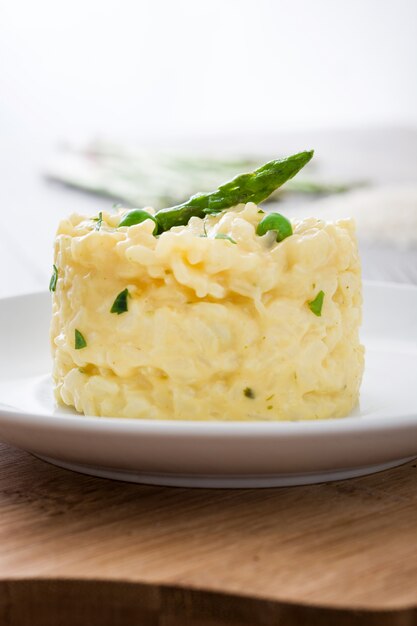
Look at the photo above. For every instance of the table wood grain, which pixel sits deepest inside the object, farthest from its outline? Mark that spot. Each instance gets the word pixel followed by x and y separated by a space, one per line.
pixel 82 550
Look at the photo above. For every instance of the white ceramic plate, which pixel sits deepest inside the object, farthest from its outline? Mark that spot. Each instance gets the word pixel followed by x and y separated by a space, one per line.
pixel 380 434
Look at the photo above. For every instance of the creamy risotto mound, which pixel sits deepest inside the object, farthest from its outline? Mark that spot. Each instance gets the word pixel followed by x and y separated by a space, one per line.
pixel 207 321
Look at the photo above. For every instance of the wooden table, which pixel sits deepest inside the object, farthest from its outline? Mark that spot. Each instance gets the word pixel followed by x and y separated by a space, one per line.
pixel 77 550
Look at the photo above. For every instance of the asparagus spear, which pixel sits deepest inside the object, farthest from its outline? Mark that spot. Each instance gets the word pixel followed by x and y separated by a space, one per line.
pixel 251 187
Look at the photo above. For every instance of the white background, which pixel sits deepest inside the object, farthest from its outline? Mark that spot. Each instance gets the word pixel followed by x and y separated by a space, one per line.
pixel 68 69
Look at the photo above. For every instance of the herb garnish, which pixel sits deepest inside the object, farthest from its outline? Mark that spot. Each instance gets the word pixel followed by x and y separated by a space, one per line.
pixel 223 236
pixel 276 222
pixel 120 304
pixel 249 393
pixel 137 216
pixel 99 221
pixel 80 342
pixel 54 278
pixel 316 305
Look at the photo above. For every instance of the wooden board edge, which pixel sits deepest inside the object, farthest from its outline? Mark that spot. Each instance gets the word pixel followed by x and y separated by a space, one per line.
pixel 65 602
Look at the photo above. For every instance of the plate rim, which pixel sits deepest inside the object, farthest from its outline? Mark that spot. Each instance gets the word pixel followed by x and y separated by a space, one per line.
pixel 192 428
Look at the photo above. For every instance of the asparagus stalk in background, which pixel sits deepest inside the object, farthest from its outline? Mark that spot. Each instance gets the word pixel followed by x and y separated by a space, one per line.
pixel 140 178
pixel 251 187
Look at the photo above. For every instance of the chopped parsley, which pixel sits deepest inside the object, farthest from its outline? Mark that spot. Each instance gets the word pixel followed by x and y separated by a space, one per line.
pixel 120 304
pixel 54 278
pixel 249 393
pixel 99 221
pixel 223 236
pixel 80 342
pixel 316 305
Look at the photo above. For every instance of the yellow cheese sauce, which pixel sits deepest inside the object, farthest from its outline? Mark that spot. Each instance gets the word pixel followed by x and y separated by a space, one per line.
pixel 215 328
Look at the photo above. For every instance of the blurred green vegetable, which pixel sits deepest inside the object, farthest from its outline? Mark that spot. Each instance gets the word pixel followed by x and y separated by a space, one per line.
pixel 143 178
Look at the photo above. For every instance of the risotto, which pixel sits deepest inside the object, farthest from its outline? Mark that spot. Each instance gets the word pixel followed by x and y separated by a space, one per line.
pixel 214 319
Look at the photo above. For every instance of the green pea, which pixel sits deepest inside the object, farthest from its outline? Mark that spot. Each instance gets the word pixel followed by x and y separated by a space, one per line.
pixel 276 222
pixel 136 216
